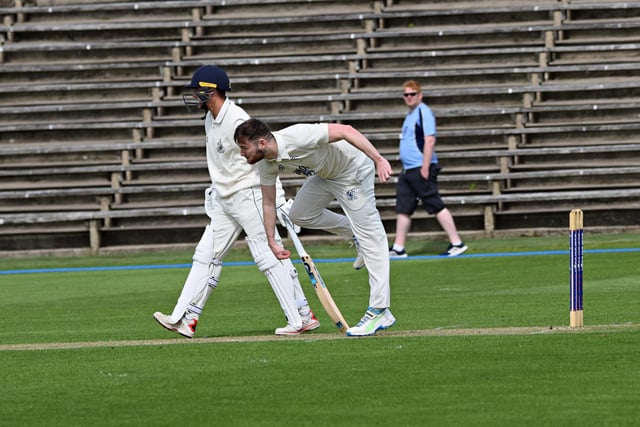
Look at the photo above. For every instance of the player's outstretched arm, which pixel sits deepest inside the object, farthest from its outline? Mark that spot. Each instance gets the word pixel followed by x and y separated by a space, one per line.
pixel 269 217
pixel 350 134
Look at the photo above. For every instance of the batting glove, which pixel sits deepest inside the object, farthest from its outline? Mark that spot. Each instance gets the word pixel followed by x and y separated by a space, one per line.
pixel 282 212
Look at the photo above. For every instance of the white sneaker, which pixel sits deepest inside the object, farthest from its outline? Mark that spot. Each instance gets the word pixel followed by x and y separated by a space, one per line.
pixel 309 323
pixel 394 254
pixel 455 250
pixel 359 261
pixel 186 328
pixel 374 319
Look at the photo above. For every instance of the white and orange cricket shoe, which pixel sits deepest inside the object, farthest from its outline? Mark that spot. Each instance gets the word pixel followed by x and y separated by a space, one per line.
pixel 309 323
pixel 185 327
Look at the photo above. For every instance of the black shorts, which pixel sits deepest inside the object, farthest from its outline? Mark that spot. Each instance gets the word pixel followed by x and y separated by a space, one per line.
pixel 412 187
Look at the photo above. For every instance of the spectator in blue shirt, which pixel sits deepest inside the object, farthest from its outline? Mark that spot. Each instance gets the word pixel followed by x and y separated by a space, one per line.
pixel 419 177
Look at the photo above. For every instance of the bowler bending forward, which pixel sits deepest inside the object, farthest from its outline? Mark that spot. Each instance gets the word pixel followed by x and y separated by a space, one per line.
pixel 339 163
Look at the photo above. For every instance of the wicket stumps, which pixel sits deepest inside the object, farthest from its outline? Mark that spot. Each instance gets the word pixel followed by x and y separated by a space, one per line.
pixel 575 267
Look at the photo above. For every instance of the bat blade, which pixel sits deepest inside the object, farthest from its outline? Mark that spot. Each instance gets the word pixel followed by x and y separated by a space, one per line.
pixel 323 294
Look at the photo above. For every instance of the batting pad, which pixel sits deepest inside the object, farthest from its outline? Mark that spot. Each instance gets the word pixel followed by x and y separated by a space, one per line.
pixel 280 277
pixel 197 283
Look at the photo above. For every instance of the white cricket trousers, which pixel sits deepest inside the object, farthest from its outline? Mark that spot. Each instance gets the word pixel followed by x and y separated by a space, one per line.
pixel 355 194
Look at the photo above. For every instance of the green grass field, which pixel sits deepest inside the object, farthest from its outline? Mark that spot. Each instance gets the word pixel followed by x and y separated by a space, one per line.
pixel 480 340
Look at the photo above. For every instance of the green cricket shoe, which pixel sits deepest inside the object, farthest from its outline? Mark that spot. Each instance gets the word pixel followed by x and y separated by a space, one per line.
pixel 374 319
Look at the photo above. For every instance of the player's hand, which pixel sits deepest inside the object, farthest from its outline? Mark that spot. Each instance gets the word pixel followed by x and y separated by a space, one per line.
pixel 383 167
pixel 279 251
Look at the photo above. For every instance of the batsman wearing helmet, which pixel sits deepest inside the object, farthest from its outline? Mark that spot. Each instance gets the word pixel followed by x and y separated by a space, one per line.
pixel 233 203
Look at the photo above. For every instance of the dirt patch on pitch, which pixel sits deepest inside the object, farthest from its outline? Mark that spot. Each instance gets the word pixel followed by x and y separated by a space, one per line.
pixel 438 332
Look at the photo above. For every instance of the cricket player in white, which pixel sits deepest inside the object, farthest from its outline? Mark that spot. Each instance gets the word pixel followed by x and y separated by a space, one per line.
pixel 339 163
pixel 234 204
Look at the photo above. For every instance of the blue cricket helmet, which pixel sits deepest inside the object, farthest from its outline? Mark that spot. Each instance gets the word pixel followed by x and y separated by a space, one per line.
pixel 210 76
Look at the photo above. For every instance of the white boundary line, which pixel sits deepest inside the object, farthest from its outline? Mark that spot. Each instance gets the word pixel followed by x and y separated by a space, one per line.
pixel 440 332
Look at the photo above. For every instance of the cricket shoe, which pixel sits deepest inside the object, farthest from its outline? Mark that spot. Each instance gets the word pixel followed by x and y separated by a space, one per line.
pixel 186 328
pixel 394 254
pixel 455 250
pixel 374 319
pixel 359 261
pixel 309 323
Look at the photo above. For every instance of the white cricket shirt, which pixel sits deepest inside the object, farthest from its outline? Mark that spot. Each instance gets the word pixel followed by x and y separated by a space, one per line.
pixel 229 171
pixel 304 149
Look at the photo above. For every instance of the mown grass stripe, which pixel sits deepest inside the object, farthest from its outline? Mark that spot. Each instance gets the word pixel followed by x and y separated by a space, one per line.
pixel 525 330
pixel 317 261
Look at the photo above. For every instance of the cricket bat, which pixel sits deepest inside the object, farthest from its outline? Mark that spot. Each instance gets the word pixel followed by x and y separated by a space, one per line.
pixel 319 286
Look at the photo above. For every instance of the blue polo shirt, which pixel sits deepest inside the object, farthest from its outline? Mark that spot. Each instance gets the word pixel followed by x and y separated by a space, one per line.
pixel 417 124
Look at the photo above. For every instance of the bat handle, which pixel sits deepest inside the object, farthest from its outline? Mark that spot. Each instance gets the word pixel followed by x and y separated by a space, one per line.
pixel 294 237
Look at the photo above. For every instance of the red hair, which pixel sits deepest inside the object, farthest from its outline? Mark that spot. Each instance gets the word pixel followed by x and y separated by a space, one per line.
pixel 412 84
